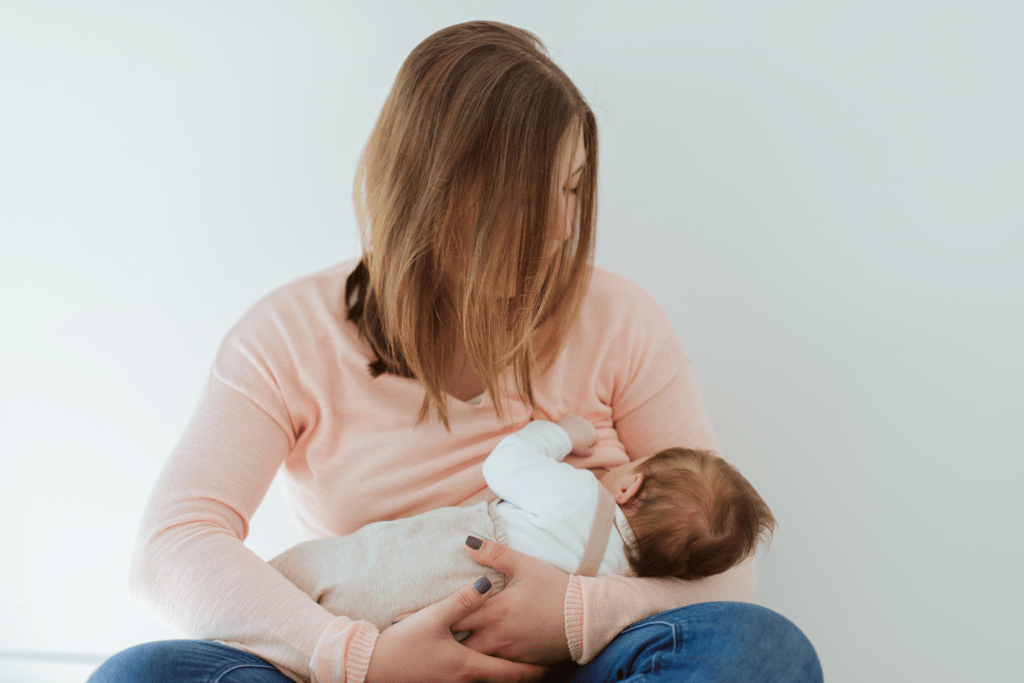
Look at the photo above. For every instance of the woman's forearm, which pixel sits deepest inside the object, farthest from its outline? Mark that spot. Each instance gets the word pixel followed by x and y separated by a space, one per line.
pixel 191 569
pixel 597 609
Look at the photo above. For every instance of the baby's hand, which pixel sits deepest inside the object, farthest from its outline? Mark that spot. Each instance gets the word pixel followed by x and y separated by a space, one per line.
pixel 581 433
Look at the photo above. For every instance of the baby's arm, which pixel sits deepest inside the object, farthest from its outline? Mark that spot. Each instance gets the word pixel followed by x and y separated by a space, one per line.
pixel 526 467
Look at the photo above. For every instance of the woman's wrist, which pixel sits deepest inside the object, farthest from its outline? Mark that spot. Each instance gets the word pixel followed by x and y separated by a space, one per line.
pixel 360 652
pixel 574 617
pixel 356 639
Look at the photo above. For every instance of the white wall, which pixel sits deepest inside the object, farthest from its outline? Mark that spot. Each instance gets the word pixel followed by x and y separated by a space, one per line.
pixel 827 201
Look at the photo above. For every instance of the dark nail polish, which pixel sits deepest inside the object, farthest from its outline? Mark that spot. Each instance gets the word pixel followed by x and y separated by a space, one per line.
pixel 474 543
pixel 482 585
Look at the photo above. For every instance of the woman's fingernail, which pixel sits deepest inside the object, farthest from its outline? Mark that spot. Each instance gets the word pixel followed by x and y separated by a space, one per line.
pixel 474 543
pixel 483 584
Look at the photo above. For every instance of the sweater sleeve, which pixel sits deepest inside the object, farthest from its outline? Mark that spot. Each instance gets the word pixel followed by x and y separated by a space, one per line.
pixel 597 609
pixel 191 569
pixel 526 467
pixel 655 405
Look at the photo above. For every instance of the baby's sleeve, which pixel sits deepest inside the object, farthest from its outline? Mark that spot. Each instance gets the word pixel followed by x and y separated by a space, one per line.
pixel 526 467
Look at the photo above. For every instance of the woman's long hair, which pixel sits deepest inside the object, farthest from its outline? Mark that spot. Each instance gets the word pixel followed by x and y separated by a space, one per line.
pixel 456 201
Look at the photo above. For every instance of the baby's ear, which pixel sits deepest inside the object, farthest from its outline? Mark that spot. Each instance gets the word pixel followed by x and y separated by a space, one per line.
pixel 627 492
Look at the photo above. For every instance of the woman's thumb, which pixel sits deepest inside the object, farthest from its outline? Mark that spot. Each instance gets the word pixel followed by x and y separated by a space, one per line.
pixel 493 555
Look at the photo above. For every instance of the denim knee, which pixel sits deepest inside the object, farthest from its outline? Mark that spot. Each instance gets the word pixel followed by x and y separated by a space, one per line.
pixel 715 642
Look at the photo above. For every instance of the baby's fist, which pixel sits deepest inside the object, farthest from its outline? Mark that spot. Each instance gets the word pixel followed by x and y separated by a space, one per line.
pixel 581 433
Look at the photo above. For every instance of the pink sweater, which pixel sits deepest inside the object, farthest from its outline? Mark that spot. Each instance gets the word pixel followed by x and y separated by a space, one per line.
pixel 289 388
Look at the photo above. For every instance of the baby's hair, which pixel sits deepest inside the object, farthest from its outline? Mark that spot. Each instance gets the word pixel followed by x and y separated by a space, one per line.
pixel 694 515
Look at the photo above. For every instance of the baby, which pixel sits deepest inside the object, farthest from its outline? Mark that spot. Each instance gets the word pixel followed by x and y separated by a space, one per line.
pixel 681 512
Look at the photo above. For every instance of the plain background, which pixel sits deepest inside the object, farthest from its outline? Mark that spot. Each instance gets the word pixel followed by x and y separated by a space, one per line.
pixel 826 199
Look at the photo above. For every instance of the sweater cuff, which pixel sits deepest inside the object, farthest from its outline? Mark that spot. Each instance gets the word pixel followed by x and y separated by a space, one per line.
pixel 573 612
pixel 343 652
pixel 359 651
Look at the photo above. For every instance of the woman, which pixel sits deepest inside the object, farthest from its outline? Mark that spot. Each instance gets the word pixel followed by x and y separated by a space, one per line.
pixel 381 384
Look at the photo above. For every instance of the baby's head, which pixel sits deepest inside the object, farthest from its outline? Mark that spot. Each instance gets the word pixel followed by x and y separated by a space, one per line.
pixel 693 514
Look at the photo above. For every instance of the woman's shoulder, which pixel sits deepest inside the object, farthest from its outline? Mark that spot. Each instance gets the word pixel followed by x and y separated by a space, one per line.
pixel 622 346
pixel 315 299
pixel 612 297
pixel 322 287
pixel 300 323
pixel 620 322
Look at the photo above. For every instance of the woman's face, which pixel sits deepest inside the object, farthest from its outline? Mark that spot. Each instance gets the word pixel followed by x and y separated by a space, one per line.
pixel 569 170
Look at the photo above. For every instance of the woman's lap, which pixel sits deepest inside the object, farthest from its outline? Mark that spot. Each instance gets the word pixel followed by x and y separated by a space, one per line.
pixel 186 661
pixel 715 642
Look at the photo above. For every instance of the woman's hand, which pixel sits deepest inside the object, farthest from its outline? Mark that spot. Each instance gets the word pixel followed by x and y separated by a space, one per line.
pixel 526 621
pixel 421 648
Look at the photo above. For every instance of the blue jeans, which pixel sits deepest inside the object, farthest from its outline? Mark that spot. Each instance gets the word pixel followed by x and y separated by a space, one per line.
pixel 713 642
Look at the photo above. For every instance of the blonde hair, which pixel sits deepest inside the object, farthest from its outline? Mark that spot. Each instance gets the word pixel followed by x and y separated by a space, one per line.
pixel 455 202
pixel 695 516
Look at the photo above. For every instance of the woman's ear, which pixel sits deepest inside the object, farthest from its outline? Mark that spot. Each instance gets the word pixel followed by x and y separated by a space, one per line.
pixel 628 489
